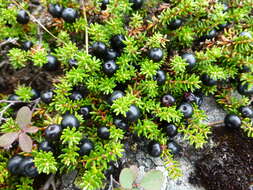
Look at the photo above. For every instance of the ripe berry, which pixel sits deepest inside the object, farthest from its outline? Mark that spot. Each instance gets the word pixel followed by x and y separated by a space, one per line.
pixel 232 121
pixel 170 129
pixel 136 4
pixel 168 100
pixel 46 96
pixel 69 120
pixel 186 109
pixel 213 33
pixel 27 167
pixel 110 170
pixel 104 4
pixel 175 24
pixel 174 147
pixel 53 132
pixel 22 17
pixel 246 111
pixel 46 146
pixel 196 98
pixel 154 149
pixel 69 15
pixel 133 113
pixel 190 59
pixel 35 94
pixel 99 49
pixel 27 45
pixel 14 97
pixel 223 26
pixel 110 67
pixel 117 42
pixel 115 95
pixel 160 77
pixel 244 89
pixel 155 54
pixel 111 55
pixel 207 80
pixel 14 163
pixel 52 63
pixel 75 96
pixel 103 133
pixel 121 124
pixel 55 10
pixel 85 111
pixel 246 34
pixel 86 146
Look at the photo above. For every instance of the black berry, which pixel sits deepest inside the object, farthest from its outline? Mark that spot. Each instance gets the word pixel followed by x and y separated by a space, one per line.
pixel 52 63
pixel 69 120
pixel 76 96
pixel 133 113
pixel 207 80
pixel 85 112
pixel 99 49
pixel 27 167
pixel 174 147
pixel 27 45
pixel 103 133
pixel 121 124
pixel 246 34
pixel 86 146
pixel 115 95
pixel 110 67
pixel 186 109
pixel 154 149
pixel 55 10
pixel 168 100
pixel 104 4
pixel 196 98
pixel 111 55
pixel 155 54
pixel 246 111
pixel 160 77
pixel 23 17
pixel 69 15
pixel 14 97
pixel 35 94
pixel 117 42
pixel 46 146
pixel 14 163
pixel 46 96
pixel 213 33
pixel 190 59
pixel 244 89
pixel 136 4
pixel 175 24
pixel 232 121
pixel 53 132
pixel 170 129
pixel 73 63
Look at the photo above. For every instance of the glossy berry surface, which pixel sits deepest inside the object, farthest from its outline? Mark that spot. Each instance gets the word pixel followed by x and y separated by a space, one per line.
pixel 86 146
pixel 53 132
pixel 52 63
pixel 115 95
pixel 85 112
pixel 73 63
pixel 244 89
pixel 117 42
pixel 46 146
pixel 174 147
pixel 246 34
pixel 27 167
pixel 121 124
pixel 104 4
pixel 186 109
pixel 175 24
pixel 99 49
pixel 213 33
pixel 75 96
pixel 55 10
pixel 190 59
pixel 27 45
pixel 160 77
pixel 14 163
pixel 110 54
pixel 207 80
pixel 193 98
pixel 136 4
pixel 154 149
pixel 170 129
pixel 14 97
pixel 110 67
pixel 69 15
pixel 232 121
pixel 46 96
pixel 168 100
pixel 22 17
pixel 133 113
pixel 69 120
pixel 35 94
pixel 103 133
pixel 246 111
pixel 155 54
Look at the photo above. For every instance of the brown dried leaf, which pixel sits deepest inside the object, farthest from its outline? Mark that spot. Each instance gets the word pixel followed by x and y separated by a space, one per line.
pixel 24 117
pixel 8 138
pixel 25 142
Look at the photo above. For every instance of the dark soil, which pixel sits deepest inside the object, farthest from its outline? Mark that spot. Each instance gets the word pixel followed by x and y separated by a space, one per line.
pixel 227 166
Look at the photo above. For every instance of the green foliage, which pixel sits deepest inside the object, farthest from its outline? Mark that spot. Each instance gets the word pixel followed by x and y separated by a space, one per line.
pixel 18 58
pixel 24 92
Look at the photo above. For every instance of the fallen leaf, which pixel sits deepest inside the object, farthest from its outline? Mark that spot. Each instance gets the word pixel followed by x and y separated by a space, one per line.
pixel 24 117
pixel 8 138
pixel 25 142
